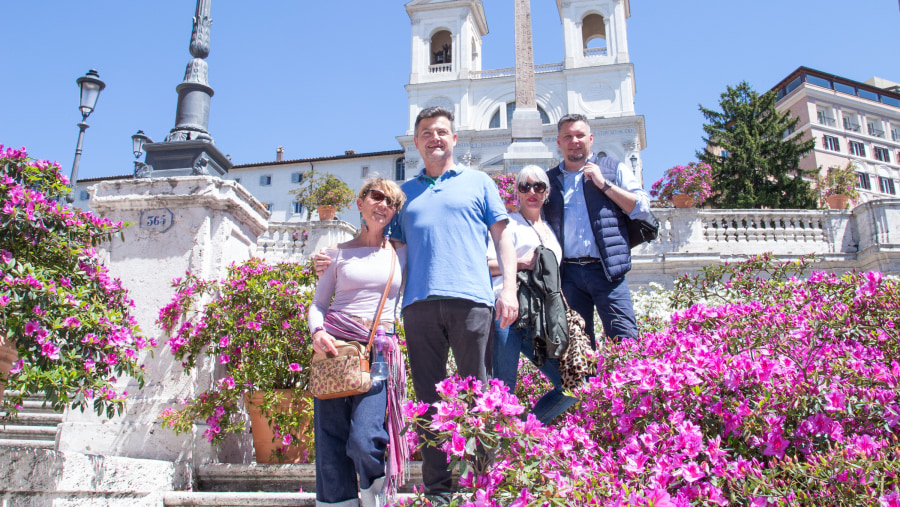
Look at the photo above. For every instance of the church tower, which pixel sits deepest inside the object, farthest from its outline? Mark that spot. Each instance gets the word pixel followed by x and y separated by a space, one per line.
pixel 446 39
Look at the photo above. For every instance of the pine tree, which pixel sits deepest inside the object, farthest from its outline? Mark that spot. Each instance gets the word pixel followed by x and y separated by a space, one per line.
pixel 759 167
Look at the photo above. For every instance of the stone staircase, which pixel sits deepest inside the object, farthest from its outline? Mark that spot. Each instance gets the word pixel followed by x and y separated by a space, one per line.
pixel 227 485
pixel 34 427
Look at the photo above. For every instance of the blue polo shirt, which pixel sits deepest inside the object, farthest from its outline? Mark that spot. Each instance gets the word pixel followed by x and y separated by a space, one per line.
pixel 444 224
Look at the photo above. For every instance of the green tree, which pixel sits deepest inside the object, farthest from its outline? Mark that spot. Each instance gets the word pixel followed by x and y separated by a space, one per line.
pixel 759 167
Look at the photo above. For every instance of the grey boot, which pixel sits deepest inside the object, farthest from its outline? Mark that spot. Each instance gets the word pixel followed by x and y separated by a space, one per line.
pixel 372 496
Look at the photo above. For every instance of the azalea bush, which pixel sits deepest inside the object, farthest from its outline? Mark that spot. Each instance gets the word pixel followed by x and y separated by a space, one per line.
pixel 254 324
pixel 323 189
pixel 69 319
pixel 506 184
pixel 781 389
pixel 693 180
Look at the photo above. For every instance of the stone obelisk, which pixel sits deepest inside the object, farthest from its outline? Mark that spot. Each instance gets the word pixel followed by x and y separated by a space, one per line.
pixel 527 131
pixel 189 149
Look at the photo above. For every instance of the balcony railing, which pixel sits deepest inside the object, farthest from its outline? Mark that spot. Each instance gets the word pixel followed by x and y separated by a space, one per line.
pixel 824 120
pixel 853 127
pixel 511 71
pixel 876 132
pixel 590 52
pixel 440 67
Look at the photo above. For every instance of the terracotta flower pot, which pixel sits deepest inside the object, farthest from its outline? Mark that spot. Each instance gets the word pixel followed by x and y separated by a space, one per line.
pixel 263 435
pixel 683 201
pixel 326 212
pixel 837 201
pixel 8 356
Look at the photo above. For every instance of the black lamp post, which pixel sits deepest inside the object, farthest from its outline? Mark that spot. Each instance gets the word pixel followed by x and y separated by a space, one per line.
pixel 91 86
pixel 633 160
pixel 141 170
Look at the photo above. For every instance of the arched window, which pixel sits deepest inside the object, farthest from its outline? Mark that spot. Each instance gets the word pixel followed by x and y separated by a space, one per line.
pixel 399 170
pixel 593 34
pixel 441 48
pixel 510 109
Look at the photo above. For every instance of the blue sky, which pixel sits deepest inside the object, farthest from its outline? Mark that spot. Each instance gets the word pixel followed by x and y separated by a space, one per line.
pixel 322 77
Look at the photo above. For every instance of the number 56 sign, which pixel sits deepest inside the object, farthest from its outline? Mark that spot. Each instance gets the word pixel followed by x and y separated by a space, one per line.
pixel 156 220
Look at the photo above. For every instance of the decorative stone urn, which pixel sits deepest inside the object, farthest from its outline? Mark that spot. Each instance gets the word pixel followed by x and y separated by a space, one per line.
pixel 837 201
pixel 683 201
pixel 8 355
pixel 326 212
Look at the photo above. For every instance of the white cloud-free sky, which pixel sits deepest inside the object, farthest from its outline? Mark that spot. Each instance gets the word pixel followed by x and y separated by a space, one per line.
pixel 320 78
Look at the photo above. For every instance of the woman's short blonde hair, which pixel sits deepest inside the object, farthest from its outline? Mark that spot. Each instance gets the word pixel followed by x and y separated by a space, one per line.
pixel 389 187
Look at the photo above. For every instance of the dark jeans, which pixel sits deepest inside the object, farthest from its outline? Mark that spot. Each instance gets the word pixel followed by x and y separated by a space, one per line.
pixel 508 343
pixel 350 442
pixel 433 328
pixel 586 287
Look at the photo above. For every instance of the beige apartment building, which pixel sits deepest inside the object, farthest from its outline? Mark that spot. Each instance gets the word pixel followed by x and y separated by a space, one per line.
pixel 851 121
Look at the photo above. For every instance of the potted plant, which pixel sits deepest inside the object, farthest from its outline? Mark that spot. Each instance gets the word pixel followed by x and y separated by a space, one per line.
pixel 325 192
pixel 506 184
pixel 685 186
pixel 838 186
pixel 66 329
pixel 255 326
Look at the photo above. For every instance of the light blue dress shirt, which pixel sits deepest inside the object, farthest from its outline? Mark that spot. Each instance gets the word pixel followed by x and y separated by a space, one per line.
pixel 577 233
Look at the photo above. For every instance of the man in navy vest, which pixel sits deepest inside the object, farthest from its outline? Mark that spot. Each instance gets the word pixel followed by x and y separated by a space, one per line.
pixel 589 198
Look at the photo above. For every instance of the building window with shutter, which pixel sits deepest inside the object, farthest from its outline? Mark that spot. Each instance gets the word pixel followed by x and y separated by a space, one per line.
pixel 858 149
pixel 296 177
pixel 400 170
pixel 265 180
pixel 886 185
pixel 365 171
pixel 298 208
pixel 831 143
pixel 882 154
pixel 863 181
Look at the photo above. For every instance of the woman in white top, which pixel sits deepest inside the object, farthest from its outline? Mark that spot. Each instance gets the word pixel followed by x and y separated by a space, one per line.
pixel 528 231
pixel 351 435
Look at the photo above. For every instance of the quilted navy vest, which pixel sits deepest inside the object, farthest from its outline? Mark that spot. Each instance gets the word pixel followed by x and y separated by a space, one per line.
pixel 607 219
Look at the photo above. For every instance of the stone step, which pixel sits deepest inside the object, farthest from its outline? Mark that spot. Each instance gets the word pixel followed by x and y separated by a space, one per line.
pixel 34 404
pixel 34 418
pixel 192 499
pixel 33 444
pixel 223 477
pixel 19 432
pixel 231 499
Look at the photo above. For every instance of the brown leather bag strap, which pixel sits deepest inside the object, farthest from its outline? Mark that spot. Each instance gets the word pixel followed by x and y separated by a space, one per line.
pixel 387 289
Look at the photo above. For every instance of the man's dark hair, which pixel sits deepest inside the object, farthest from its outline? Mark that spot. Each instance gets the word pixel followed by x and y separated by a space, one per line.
pixel 573 117
pixel 433 112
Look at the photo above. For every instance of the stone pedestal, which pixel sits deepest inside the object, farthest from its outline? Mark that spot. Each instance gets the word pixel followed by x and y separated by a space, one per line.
pixel 199 224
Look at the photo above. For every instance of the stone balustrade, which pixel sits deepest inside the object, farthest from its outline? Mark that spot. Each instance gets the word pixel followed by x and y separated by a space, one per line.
pixel 589 52
pixel 511 71
pixel 865 238
pixel 296 241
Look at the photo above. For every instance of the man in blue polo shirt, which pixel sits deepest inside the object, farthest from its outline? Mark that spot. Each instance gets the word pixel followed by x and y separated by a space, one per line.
pixel 449 214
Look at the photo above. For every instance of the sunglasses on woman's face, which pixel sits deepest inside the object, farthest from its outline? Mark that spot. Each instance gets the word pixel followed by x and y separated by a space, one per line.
pixel 378 196
pixel 539 188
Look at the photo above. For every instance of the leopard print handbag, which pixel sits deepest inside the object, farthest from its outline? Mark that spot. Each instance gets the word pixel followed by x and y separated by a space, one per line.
pixel 578 362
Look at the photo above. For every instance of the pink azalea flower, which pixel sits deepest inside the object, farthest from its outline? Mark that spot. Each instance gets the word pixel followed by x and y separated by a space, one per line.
pixel 295 367
pixel 691 472
pixel 224 358
pixel 49 350
pixel 17 367
pixel 836 401
pixel 776 446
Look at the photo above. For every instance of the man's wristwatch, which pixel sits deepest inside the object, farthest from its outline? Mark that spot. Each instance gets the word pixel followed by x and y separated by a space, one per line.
pixel 605 186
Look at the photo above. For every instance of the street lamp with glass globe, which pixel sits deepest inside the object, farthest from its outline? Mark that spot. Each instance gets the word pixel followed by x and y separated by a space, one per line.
pixel 91 86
